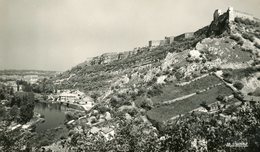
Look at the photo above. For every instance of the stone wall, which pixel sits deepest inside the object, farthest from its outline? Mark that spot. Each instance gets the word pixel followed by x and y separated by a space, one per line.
pixel 169 39
pixel 154 43
pixel 164 42
pixel 184 36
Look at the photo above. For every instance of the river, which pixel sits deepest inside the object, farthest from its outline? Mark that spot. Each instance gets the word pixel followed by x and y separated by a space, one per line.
pixel 53 114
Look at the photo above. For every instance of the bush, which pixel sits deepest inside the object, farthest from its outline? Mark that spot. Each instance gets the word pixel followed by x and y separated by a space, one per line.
pixel 247 22
pixel 257 45
pixel 14 112
pixel 146 104
pixel 238 85
pixel 204 105
pixel 102 109
pixel 227 74
pixel 248 36
pixel 220 97
pixel 240 42
pixel 235 37
pixel 156 90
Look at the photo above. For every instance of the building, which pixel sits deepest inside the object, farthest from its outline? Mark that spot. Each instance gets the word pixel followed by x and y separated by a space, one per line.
pixel 69 97
pixel 184 36
pixel 169 39
pixel 154 43
pixel 31 78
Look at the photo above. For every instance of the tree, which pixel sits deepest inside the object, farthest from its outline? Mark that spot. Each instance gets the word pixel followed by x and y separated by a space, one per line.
pixel 2 111
pixel 14 112
pixel 146 104
pixel 14 140
pixel 204 105
pixel 238 85
pixel 27 107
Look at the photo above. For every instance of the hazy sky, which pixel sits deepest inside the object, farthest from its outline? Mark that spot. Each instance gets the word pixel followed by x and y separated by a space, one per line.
pixel 58 34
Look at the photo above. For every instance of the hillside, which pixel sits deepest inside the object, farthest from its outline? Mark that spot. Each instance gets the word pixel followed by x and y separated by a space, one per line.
pixel 178 76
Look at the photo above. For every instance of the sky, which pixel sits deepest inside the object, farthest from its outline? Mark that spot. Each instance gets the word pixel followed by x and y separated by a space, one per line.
pixel 59 34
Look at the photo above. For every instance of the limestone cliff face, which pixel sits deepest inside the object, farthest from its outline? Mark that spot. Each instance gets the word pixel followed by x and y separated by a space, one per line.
pixel 110 57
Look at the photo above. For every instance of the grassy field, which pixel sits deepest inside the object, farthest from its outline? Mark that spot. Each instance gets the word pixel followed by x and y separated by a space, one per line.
pixel 171 91
pixel 166 112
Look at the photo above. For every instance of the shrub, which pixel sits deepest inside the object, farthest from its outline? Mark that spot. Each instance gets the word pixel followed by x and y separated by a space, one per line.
pixel 220 97
pixel 227 74
pixel 247 22
pixel 146 104
pixel 115 102
pixel 204 105
pixel 238 85
pixel 235 37
pixel 248 36
pixel 257 45
pixel 247 50
pixel 156 90
pixel 103 109
pixel 228 80
pixel 240 42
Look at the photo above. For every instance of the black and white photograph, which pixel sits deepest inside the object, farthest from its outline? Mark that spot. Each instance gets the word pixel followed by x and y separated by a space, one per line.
pixel 129 75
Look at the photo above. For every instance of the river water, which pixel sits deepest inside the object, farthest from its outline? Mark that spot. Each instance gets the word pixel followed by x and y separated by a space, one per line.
pixel 53 114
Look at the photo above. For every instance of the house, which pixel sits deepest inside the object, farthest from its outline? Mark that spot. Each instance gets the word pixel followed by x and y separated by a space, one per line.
pixel 71 96
pixel 65 96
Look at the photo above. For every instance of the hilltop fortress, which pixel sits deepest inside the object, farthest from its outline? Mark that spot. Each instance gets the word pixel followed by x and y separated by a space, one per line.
pixel 221 23
pixel 229 15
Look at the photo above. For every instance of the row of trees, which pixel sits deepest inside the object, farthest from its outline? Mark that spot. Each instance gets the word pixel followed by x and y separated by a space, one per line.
pixel 43 86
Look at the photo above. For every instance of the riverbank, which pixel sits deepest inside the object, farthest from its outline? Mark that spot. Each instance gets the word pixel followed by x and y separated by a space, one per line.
pixel 68 105
pixel 36 120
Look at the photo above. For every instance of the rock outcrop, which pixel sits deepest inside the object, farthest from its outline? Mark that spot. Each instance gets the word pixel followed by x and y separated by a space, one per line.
pixel 220 24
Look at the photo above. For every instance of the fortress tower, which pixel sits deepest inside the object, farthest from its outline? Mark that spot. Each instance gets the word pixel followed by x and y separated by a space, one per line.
pixel 216 14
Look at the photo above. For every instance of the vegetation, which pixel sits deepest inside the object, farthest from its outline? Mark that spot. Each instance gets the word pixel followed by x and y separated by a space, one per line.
pixel 193 132
pixel 145 115
pixel 165 112
pixel 171 91
pixel 247 22
pixel 238 85
pixel 248 36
